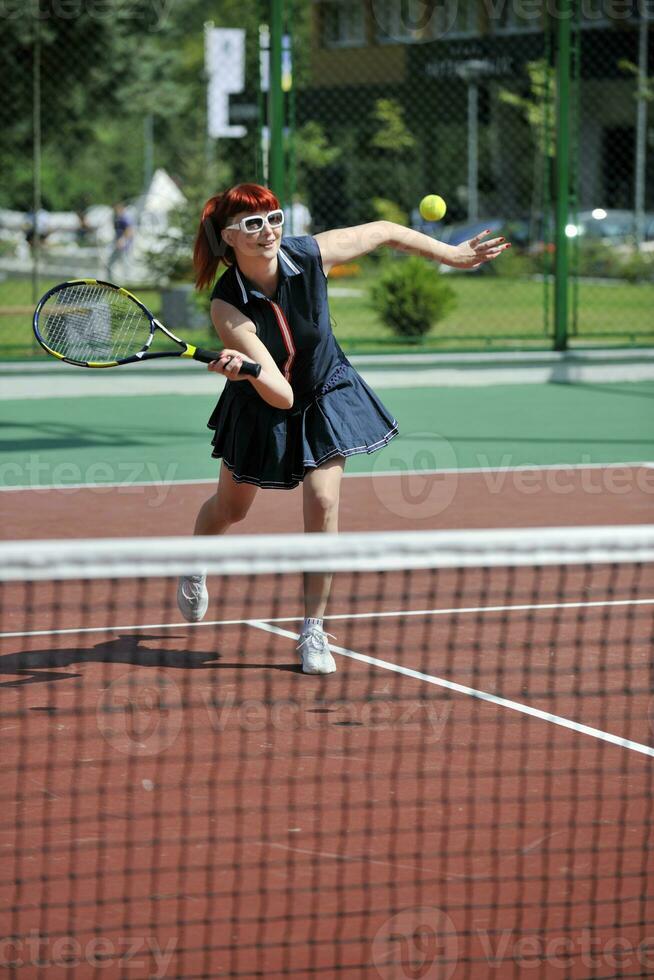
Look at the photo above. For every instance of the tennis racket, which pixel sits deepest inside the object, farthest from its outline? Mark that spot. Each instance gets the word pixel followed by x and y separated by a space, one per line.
pixel 95 324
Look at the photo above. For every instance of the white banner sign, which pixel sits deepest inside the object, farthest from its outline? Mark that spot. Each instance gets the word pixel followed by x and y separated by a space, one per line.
pixel 225 67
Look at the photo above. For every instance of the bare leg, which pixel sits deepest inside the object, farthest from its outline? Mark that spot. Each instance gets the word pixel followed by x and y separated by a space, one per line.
pixel 228 505
pixel 321 493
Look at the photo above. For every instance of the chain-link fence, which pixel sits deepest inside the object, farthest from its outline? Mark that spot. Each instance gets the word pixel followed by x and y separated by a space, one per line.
pixel 107 151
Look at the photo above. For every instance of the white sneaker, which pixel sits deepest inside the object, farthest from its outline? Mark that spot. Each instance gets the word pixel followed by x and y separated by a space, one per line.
pixel 192 597
pixel 315 653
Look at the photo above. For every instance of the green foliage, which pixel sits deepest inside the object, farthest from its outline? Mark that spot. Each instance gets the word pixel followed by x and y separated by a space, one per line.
pixel 313 154
pixel 514 265
pixel 392 133
pixel 378 160
pixel 638 267
pixel 67 187
pixel 538 106
pixel 313 148
pixel 103 70
pixel 386 210
pixel 644 87
pixel 590 259
pixel 83 68
pixel 595 259
pixel 411 296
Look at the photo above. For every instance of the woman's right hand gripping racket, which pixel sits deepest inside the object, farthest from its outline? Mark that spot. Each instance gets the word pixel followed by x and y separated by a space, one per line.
pixel 98 325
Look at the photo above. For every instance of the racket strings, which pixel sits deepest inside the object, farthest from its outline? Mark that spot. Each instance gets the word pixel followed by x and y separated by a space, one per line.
pixel 91 322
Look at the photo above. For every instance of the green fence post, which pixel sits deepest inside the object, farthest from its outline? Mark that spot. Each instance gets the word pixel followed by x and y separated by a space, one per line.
pixel 36 163
pixel 276 96
pixel 563 53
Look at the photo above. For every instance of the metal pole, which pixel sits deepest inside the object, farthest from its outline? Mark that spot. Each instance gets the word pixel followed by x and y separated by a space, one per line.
pixel 263 100
pixel 36 157
pixel 563 51
pixel 575 131
pixel 292 170
pixel 276 97
pixel 641 125
pixel 473 151
pixel 472 71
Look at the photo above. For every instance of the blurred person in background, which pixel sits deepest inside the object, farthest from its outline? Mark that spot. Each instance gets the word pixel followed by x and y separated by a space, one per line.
pixel 37 227
pixel 123 237
pixel 300 219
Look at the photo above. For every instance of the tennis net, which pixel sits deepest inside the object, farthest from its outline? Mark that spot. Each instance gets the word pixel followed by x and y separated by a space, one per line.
pixel 470 795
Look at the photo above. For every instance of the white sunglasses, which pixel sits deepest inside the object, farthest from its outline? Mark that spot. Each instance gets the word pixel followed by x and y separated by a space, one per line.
pixel 255 222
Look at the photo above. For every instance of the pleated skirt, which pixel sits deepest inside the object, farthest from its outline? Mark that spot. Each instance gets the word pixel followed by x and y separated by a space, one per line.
pixel 274 448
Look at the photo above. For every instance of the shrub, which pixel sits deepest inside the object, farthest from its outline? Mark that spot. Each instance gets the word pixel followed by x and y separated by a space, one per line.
pixel 386 210
pixel 513 265
pixel 411 296
pixel 638 267
pixel 596 259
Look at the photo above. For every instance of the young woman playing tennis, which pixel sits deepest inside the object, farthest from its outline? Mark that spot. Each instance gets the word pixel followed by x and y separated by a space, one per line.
pixel 308 409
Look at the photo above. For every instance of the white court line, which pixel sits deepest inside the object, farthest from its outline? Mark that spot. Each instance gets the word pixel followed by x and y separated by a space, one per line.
pixel 458 610
pixel 202 481
pixel 409 672
pixel 135 627
pixel 524 709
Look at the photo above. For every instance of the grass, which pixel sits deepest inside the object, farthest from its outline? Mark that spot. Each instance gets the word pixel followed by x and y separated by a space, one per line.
pixel 497 311
pixel 492 311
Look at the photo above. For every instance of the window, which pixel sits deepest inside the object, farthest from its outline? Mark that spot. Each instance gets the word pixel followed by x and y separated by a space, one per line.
pixel 415 21
pixel 342 23
pixel 596 12
pixel 401 21
pixel 513 16
pixel 459 18
pixel 592 11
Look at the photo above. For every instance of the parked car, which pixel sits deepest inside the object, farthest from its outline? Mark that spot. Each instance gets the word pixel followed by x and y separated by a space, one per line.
pixel 613 226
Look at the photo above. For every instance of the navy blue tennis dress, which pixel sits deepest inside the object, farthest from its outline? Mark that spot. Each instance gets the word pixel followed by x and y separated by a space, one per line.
pixel 334 412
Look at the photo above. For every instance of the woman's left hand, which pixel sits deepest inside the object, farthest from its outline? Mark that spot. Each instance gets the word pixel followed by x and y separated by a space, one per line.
pixel 473 253
pixel 229 364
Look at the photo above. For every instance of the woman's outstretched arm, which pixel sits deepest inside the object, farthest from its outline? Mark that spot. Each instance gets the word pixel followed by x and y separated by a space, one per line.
pixel 346 244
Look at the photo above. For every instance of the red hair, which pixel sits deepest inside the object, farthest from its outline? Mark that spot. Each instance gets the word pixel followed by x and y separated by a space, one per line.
pixel 210 249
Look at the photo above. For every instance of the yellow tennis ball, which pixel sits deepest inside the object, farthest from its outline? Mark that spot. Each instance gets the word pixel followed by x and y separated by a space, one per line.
pixel 433 207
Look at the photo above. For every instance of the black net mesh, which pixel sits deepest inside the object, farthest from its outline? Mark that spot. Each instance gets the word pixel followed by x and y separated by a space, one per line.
pixel 469 794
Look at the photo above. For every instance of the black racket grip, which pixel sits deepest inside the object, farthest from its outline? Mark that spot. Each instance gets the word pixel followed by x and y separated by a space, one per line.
pixel 207 356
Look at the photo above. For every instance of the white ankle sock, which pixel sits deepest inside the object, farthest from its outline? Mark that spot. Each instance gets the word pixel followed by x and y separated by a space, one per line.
pixel 310 624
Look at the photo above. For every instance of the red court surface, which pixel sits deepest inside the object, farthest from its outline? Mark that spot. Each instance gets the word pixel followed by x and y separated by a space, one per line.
pixel 501 498
pixel 181 801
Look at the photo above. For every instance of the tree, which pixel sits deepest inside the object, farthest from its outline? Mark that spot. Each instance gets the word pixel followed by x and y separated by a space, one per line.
pixel 104 69
pixel 537 108
pixel 80 57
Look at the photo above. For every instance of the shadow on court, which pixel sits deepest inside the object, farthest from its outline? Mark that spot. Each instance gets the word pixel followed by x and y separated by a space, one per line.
pixel 38 666
pixel 66 435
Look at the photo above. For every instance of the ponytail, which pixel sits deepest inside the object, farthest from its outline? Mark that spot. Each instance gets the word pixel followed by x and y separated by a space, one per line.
pixel 210 249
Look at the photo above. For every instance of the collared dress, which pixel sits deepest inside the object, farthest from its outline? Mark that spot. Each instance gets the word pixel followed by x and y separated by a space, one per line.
pixel 334 412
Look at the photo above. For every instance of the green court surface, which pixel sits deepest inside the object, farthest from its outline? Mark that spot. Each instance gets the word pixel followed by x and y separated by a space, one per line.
pixel 163 437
